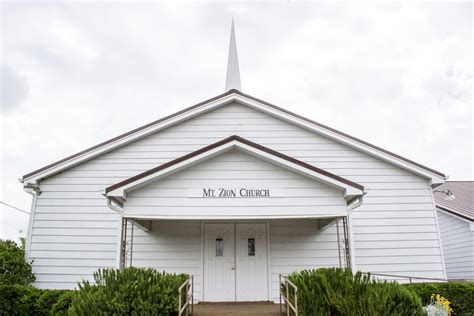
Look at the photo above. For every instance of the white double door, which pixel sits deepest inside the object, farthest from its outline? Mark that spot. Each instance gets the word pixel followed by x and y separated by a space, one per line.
pixel 235 262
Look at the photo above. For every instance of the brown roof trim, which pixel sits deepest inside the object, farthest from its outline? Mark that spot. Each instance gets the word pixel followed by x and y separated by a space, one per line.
pixel 299 162
pixel 454 213
pixel 341 133
pixel 216 98
pixel 223 142
pixel 127 134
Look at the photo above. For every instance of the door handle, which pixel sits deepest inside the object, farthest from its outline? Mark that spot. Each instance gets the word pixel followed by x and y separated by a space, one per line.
pixel 232 265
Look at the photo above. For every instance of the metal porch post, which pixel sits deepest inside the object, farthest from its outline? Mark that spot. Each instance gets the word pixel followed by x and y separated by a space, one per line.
pixel 338 243
pixel 346 242
pixel 343 243
pixel 126 245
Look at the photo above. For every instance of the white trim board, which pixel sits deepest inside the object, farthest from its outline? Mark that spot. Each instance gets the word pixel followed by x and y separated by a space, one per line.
pixel 234 217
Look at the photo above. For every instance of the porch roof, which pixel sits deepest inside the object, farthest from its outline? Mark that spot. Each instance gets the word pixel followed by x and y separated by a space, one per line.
pixel 351 190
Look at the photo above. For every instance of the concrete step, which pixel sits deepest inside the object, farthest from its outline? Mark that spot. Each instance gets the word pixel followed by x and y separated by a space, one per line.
pixel 237 309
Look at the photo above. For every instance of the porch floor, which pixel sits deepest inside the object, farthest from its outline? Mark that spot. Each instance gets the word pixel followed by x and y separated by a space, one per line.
pixel 239 309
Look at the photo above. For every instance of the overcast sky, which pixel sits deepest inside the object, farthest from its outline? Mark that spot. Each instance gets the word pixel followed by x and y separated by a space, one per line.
pixel 75 74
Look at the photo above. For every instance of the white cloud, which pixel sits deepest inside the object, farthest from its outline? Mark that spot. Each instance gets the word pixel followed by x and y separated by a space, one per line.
pixel 397 75
pixel 14 88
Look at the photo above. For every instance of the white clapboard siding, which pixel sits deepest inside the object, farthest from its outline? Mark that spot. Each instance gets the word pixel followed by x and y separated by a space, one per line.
pixel 457 240
pixel 155 205
pixel 171 246
pixel 297 245
pixel 73 201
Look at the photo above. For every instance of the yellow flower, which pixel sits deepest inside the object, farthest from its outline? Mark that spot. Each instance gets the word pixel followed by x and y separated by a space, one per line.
pixel 442 302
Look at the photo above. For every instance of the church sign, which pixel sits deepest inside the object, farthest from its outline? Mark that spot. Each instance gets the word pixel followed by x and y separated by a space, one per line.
pixel 230 193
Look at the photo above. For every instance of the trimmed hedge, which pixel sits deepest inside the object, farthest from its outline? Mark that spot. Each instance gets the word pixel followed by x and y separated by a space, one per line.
pixel 460 294
pixel 28 300
pixel 335 291
pixel 130 291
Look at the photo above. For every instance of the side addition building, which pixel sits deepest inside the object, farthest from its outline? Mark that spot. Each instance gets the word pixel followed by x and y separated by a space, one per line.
pixel 455 205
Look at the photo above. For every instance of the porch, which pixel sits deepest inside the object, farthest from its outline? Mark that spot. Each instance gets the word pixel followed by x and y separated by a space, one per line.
pixel 235 261
pixel 235 215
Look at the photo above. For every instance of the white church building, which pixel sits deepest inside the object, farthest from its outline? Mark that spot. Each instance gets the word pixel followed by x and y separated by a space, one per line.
pixel 234 191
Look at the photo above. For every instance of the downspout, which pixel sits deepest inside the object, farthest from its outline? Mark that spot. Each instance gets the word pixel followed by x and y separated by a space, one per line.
pixel 112 206
pixel 350 208
pixel 440 241
pixel 119 230
pixel 443 262
pixel 34 191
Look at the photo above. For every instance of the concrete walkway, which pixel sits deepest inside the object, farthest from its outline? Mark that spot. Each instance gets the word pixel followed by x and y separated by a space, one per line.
pixel 244 309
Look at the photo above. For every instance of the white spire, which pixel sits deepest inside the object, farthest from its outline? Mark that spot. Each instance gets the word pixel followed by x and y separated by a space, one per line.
pixel 233 74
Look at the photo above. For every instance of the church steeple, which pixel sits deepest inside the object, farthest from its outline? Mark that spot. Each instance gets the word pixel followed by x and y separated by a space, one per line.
pixel 233 74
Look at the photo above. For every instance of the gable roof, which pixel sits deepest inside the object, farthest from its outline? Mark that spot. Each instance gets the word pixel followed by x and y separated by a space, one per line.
pixel 119 190
pixel 436 177
pixel 463 203
pixel 121 136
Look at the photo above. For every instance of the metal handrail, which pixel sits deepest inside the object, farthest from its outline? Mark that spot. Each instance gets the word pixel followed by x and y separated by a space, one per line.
pixel 285 286
pixel 188 285
pixel 410 278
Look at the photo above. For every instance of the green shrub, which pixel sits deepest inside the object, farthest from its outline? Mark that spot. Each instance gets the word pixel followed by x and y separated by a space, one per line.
pixel 64 301
pixel 131 291
pixel 334 291
pixel 11 297
pixel 47 299
pixel 13 267
pixel 27 300
pixel 460 294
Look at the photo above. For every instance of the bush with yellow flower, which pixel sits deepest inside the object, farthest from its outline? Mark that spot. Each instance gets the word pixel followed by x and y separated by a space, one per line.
pixel 439 306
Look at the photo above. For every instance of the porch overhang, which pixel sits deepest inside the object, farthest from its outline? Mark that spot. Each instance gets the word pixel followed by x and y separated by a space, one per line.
pixel 351 190
pixel 342 191
pixel 324 218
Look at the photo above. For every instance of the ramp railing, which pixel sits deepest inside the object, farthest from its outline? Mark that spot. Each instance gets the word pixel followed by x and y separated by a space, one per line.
pixel 288 296
pixel 186 297
pixel 406 277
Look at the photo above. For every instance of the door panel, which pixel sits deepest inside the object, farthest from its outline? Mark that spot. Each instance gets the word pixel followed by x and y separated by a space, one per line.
pixel 235 262
pixel 219 262
pixel 251 262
